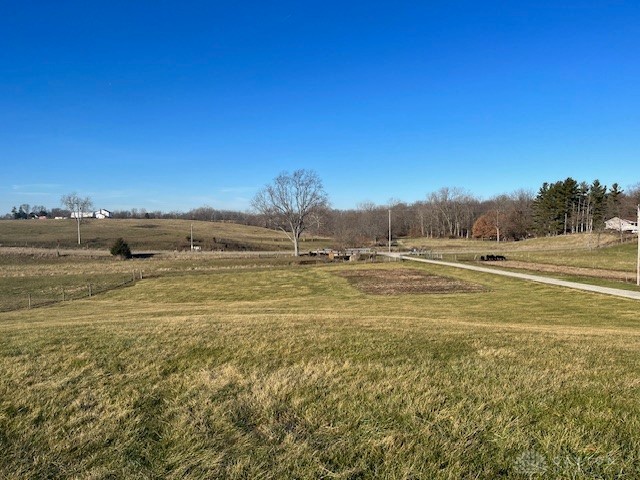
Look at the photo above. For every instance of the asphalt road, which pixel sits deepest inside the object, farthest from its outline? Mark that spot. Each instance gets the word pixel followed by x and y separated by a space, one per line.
pixel 525 276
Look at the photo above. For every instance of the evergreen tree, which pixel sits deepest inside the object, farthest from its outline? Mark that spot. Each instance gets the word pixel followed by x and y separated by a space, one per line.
pixel 614 198
pixel 542 210
pixel 120 249
pixel 554 205
pixel 569 195
pixel 20 213
pixel 598 200
pixel 582 208
pixel 568 207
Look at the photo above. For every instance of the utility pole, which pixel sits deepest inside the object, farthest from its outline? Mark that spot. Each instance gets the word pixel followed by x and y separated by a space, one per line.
pixel 638 262
pixel 389 230
pixel 192 237
pixel 78 219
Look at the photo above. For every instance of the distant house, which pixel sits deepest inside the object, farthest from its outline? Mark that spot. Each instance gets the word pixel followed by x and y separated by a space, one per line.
pixel 621 225
pixel 100 214
pixel 82 215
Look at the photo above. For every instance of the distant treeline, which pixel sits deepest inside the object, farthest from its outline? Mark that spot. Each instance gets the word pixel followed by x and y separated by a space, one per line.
pixel 564 206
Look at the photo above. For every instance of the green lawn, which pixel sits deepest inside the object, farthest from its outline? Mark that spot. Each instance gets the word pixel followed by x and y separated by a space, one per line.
pixel 272 371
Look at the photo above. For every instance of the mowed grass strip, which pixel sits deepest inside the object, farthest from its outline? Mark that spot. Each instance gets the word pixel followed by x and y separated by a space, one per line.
pixel 294 373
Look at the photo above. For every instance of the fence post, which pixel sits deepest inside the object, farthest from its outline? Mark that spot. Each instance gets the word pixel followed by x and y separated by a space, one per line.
pixel 29 295
pixel 89 290
pixel 63 299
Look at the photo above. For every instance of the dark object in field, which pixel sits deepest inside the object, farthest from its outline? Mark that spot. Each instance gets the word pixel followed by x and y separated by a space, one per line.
pixel 121 249
pixel 492 258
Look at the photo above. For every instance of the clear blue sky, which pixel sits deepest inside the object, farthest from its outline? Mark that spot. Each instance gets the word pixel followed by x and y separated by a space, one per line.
pixel 173 105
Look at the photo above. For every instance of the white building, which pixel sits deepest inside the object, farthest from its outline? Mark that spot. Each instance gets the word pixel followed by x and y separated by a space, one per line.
pixel 100 214
pixel 82 215
pixel 621 225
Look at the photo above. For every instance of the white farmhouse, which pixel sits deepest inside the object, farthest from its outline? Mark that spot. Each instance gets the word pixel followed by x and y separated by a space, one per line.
pixel 102 213
pixel 621 225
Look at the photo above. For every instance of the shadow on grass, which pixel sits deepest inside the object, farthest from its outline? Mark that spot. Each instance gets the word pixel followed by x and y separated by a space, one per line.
pixel 142 255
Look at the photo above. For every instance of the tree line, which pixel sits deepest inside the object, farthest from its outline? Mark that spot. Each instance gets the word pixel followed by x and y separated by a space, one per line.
pixel 571 207
pixel 565 206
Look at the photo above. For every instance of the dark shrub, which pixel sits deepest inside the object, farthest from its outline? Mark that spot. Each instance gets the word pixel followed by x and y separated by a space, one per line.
pixel 121 249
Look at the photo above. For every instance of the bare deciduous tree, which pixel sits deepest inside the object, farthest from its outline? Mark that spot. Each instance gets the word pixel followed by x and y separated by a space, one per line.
pixel 371 223
pixel 289 201
pixel 78 207
pixel 452 212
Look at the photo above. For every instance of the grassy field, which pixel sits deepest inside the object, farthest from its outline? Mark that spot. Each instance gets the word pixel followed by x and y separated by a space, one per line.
pixel 32 276
pixel 590 251
pixel 613 257
pixel 595 251
pixel 146 235
pixel 253 369
pixel 579 241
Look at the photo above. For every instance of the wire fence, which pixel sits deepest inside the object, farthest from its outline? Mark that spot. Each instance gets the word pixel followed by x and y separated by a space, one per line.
pixel 428 254
pixel 41 298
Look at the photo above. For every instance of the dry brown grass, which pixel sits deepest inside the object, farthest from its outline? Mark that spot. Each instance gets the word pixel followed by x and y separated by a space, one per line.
pixel 147 234
pixel 580 241
pixel 293 372
pixel 567 270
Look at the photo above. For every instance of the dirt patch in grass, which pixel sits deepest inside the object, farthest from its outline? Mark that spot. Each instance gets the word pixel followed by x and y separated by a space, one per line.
pixel 406 281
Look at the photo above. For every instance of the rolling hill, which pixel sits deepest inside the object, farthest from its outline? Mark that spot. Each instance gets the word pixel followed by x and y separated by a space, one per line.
pixel 146 234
